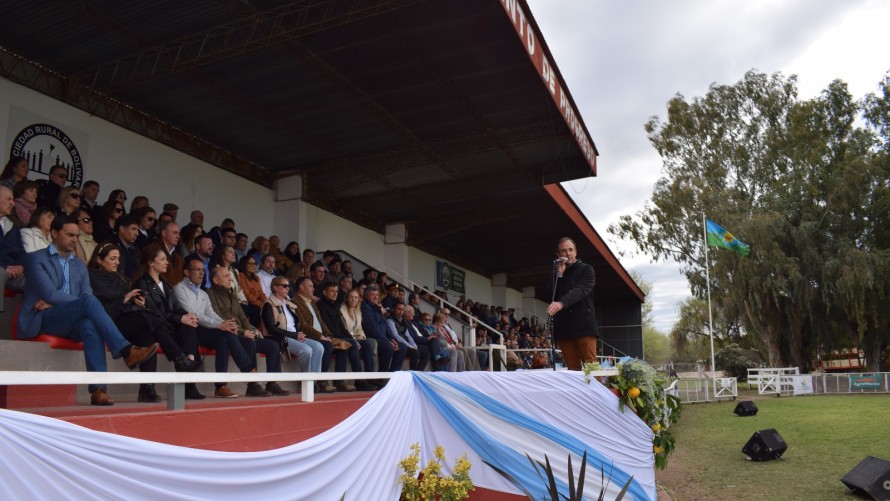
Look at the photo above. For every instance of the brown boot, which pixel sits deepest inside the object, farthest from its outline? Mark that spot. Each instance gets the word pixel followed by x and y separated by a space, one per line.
pixel 100 397
pixel 139 354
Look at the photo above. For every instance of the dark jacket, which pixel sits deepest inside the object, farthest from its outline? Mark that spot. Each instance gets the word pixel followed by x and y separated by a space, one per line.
pixel 129 258
pixel 575 291
pixel 110 288
pixel 162 303
pixel 330 316
pixel 273 329
pixel 373 322
pixel 12 251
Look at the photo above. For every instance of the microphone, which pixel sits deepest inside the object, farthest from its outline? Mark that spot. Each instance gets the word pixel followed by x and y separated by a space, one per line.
pixel 561 260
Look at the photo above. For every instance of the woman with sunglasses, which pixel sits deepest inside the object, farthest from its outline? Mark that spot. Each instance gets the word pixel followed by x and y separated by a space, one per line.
pixel 281 323
pixel 69 201
pixel 85 246
pixel 103 225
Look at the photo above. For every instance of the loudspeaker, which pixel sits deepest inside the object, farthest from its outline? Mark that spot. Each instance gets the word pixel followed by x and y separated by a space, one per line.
pixel 870 477
pixel 764 445
pixel 745 408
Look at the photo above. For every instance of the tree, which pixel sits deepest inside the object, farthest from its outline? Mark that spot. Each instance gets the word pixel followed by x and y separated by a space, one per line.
pixel 801 184
pixel 656 346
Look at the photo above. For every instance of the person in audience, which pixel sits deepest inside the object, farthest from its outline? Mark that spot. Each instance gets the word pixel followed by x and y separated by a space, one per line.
pixel 476 359
pixel 347 348
pixel 25 193
pixel 250 284
pixel 240 245
pixel 59 301
pixel 104 226
pixel 85 242
pixel 188 235
pixel 301 269
pixel 292 253
pixel 347 269
pixel 369 276
pixel 392 296
pixel 89 194
pixel 213 332
pixel 37 235
pixel 313 326
pixel 316 274
pixel 457 361
pixel 382 282
pixel 69 201
pixel 418 355
pixel 226 304
pixel 161 300
pixel 281 323
pixel 168 239
pixel 283 263
pixel 15 171
pixel 423 338
pixel 351 316
pixel 260 248
pixel 172 209
pixel 12 253
pixel 117 195
pixel 139 201
pixel 196 218
pixel 335 272
pixel 224 257
pixel 48 193
pixel 390 352
pixel 127 310
pixel 127 230
pixel 147 234
pixel 227 237
pixel 203 251
pixel 216 232
pixel 266 273
pixel 345 285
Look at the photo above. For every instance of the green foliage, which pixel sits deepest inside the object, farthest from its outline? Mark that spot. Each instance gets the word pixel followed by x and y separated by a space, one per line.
pixel 733 361
pixel 802 184
pixel 639 387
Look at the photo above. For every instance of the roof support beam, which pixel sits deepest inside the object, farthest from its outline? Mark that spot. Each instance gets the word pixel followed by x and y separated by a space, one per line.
pixel 245 35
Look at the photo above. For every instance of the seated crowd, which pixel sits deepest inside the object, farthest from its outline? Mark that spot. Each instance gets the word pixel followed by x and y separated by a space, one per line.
pixel 135 281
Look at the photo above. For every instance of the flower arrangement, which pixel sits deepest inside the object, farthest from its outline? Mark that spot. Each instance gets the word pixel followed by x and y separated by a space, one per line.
pixel 430 484
pixel 639 387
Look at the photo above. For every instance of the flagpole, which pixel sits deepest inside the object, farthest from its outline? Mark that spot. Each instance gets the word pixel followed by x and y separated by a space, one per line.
pixel 710 314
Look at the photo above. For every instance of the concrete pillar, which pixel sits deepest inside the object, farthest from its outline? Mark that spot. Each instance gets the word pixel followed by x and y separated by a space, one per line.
pixel 395 253
pixel 529 303
pixel 290 214
pixel 499 289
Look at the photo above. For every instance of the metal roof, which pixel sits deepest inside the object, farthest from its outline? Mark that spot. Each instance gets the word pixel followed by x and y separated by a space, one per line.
pixel 449 116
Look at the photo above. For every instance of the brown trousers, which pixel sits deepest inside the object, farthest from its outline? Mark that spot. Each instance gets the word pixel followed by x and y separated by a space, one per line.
pixel 577 351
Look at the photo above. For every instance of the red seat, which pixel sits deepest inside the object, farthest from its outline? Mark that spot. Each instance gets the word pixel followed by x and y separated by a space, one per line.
pixel 56 342
pixel 7 292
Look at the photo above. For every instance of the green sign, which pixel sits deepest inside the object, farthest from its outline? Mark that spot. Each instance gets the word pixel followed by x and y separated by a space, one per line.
pixel 450 278
pixel 865 382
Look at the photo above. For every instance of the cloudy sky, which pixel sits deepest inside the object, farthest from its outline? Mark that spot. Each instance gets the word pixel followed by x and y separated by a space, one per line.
pixel 623 61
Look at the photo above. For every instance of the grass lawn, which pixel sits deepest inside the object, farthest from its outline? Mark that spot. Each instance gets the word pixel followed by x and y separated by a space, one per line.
pixel 827 435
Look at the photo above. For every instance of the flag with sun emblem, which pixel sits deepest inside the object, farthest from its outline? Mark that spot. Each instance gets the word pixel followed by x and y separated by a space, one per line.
pixel 719 237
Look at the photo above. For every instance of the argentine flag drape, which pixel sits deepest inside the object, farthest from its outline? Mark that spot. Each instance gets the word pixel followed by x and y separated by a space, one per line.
pixel 498 417
pixel 719 237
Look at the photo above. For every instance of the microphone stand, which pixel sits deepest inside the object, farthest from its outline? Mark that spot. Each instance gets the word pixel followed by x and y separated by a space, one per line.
pixel 554 280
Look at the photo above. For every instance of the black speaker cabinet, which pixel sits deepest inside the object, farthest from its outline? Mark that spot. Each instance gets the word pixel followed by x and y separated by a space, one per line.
pixel 765 445
pixel 870 477
pixel 745 408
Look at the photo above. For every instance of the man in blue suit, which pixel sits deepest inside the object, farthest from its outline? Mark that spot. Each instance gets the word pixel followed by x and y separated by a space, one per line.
pixel 59 301
pixel 390 351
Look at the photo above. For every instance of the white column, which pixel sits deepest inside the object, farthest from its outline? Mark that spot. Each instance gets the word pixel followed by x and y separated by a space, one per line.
pixel 290 214
pixel 395 253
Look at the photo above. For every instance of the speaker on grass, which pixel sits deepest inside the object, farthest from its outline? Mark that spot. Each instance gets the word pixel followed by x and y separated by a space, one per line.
pixel 745 408
pixel 765 445
pixel 870 477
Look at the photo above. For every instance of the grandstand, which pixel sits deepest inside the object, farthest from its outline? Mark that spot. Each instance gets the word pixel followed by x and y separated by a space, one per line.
pixel 410 134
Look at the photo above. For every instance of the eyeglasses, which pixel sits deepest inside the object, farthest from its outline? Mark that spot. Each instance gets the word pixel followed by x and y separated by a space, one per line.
pixel 280 285
pixel 75 196
pixel 150 219
pixel 86 220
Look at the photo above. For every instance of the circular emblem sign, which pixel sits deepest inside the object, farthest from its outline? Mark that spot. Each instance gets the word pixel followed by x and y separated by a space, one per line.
pixel 44 146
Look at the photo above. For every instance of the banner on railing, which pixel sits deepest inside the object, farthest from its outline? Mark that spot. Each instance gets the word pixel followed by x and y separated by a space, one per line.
pixel 803 385
pixel 450 278
pixel 865 382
